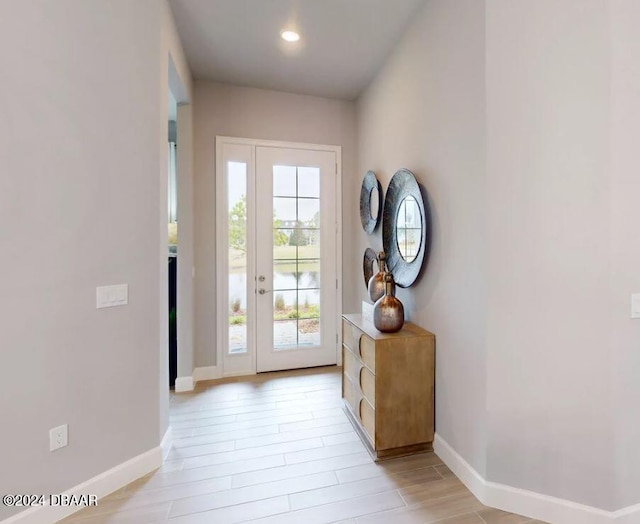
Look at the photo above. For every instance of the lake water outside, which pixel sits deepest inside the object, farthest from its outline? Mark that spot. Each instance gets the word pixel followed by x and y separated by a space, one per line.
pixel 296 298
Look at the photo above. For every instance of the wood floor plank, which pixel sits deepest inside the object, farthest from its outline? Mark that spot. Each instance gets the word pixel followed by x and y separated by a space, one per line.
pixel 277 448
pixel 253 493
pixel 419 493
pixel 255 423
pixel 143 515
pixel 220 411
pixel 237 513
pixel 160 479
pixel 495 516
pixel 428 512
pixel 360 488
pixel 314 423
pixel 288 436
pixel 237 435
pixel 338 510
pixel 204 421
pixel 444 471
pixel 250 453
pixel 133 498
pixel 323 452
pixel 468 518
pixel 388 466
pixel 177 453
pixel 340 438
pixel 298 470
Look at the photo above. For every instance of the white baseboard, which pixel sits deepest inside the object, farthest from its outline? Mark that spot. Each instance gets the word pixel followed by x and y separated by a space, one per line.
pixel 166 443
pixel 239 374
pixel 184 384
pixel 629 515
pixel 528 503
pixel 206 373
pixel 100 485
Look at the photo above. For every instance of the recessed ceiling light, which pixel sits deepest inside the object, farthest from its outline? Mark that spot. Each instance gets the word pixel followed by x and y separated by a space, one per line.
pixel 290 36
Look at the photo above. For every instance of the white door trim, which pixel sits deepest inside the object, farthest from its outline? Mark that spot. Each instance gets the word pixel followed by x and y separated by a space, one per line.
pixel 221 262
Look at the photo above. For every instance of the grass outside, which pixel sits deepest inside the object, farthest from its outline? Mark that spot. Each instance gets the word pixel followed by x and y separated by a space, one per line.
pixel 284 258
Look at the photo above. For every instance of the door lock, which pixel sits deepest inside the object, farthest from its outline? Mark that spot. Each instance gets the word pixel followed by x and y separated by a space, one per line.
pixel 261 278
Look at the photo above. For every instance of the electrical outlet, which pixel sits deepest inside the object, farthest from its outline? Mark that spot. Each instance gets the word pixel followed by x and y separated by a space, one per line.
pixel 58 437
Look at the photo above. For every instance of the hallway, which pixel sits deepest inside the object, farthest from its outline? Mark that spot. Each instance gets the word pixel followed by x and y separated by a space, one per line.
pixel 277 448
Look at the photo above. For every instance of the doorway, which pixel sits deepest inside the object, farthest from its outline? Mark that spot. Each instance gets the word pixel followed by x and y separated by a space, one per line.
pixel 278 255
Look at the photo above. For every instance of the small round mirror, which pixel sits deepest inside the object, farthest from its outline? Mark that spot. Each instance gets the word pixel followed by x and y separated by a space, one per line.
pixel 374 203
pixel 409 229
pixel 370 202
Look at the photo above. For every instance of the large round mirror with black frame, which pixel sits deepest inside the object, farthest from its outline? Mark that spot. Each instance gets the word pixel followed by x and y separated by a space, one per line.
pixel 405 228
pixel 370 202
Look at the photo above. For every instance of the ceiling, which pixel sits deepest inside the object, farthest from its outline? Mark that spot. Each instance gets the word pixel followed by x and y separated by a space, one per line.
pixel 343 42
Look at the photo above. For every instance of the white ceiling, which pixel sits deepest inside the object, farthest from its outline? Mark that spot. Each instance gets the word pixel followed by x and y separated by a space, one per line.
pixel 343 42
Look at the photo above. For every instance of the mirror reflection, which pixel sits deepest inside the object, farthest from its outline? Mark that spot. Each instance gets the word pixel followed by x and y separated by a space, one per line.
pixel 374 202
pixel 409 228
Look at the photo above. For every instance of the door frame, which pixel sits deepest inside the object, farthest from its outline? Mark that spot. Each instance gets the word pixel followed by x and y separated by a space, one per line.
pixel 222 263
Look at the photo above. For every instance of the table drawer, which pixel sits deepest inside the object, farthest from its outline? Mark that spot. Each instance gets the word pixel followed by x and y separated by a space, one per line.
pixel 367 416
pixel 367 383
pixel 359 344
pixel 349 393
pixel 350 336
pixel 351 365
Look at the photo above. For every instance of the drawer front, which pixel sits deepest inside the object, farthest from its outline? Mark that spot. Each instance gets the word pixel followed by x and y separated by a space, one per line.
pixel 367 352
pixel 367 382
pixel 367 416
pixel 362 378
pixel 350 336
pixel 351 365
pixel 349 393
pixel 359 344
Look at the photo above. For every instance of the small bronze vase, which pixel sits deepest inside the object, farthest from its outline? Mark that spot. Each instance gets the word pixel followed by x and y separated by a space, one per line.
pixel 388 311
pixel 376 282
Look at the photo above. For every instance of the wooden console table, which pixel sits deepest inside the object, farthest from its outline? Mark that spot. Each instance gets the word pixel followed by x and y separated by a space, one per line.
pixel 388 386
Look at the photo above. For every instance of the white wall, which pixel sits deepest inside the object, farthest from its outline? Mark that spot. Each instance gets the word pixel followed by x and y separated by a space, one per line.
pixel 426 111
pixel 83 150
pixel 221 109
pixel 521 119
pixel 549 187
pixel 625 246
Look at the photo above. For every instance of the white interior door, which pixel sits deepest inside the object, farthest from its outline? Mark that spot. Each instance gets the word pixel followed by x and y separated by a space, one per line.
pixel 296 258
pixel 278 264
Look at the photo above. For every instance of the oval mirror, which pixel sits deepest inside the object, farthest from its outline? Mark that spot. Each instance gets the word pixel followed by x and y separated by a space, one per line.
pixel 374 203
pixel 370 202
pixel 409 229
pixel 406 228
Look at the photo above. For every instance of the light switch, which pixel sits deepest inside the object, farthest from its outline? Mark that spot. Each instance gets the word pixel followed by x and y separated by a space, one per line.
pixel 635 305
pixel 109 296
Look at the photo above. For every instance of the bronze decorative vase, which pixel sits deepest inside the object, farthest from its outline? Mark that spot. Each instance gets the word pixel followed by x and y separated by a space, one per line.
pixel 376 282
pixel 388 311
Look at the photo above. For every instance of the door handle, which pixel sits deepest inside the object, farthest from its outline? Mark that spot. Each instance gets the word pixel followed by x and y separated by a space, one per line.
pixel 263 291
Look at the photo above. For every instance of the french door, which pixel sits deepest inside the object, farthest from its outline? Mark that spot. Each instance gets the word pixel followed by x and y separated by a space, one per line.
pixel 278 255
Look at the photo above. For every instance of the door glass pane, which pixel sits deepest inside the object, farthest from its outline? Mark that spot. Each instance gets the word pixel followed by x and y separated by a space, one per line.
pixel 237 209
pixel 309 182
pixel 296 257
pixel 284 181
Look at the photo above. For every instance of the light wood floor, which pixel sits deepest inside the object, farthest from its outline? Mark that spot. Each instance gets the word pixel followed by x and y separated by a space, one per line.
pixel 278 449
